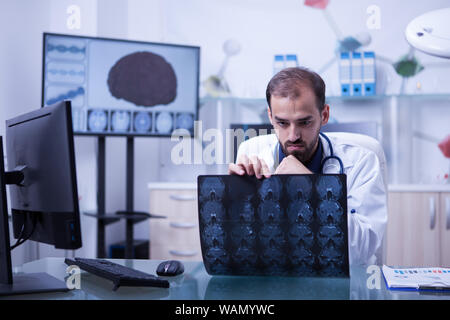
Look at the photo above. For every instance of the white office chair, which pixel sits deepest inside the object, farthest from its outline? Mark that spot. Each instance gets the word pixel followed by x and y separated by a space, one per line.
pixel 371 144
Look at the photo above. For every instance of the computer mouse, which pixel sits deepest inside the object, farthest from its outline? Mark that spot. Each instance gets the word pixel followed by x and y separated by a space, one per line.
pixel 170 268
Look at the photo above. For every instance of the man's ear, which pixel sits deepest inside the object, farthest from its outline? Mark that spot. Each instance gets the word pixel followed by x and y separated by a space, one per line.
pixel 325 115
pixel 269 114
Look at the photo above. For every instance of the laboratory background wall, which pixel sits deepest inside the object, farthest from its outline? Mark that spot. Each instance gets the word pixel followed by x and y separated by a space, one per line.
pixel 263 28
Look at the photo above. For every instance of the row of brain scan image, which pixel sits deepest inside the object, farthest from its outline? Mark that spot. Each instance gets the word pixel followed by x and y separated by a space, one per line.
pixel 301 212
pixel 244 235
pixel 296 187
pixel 267 207
pixel 299 250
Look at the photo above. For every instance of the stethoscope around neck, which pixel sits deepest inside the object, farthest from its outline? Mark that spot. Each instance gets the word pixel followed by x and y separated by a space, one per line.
pixel 331 156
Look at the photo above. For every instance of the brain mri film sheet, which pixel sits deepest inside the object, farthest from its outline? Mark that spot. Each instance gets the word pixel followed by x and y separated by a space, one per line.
pixel 286 225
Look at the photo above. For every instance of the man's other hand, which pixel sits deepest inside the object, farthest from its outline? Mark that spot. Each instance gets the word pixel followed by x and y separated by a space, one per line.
pixel 291 165
pixel 251 166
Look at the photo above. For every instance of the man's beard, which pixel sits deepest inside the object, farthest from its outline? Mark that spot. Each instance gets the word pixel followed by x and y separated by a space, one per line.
pixel 302 156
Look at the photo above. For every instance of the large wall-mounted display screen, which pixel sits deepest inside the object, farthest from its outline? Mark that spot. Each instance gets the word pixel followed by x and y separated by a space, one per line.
pixel 122 87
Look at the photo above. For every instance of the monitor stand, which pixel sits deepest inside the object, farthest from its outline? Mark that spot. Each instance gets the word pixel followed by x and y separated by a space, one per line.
pixel 27 282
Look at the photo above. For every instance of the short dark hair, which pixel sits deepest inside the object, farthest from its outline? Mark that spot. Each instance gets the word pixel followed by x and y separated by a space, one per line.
pixel 288 83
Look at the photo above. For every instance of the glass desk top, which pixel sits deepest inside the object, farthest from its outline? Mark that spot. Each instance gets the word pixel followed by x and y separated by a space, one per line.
pixel 196 284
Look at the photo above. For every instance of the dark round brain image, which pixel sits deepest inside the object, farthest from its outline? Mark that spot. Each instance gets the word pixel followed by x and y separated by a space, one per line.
pixel 144 79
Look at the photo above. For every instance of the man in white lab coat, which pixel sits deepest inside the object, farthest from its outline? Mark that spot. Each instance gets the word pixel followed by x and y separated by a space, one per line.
pixel 297 110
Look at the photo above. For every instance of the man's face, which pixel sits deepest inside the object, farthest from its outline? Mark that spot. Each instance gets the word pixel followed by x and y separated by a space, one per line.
pixel 297 123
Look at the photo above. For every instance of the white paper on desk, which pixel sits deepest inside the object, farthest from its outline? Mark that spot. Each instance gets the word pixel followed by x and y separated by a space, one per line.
pixel 415 277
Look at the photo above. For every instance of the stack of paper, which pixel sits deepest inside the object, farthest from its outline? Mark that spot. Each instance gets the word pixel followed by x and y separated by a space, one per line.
pixel 417 278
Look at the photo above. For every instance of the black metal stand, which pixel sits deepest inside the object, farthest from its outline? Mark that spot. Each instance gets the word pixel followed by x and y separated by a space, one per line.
pixel 101 182
pixel 132 217
pixel 129 249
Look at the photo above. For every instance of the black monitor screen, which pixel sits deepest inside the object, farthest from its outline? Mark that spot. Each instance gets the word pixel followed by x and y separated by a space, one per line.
pixel 122 87
pixel 44 204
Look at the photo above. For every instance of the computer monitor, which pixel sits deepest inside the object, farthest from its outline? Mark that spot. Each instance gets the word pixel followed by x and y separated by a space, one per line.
pixel 369 128
pixel 245 131
pixel 43 191
pixel 122 87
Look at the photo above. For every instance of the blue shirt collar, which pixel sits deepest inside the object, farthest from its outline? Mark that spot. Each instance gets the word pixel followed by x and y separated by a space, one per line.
pixel 313 164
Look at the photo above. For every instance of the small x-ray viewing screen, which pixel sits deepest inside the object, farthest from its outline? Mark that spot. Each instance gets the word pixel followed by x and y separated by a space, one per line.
pixel 121 87
pixel 286 225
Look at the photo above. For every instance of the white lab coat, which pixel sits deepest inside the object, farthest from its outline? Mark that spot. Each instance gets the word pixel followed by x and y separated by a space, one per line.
pixel 366 191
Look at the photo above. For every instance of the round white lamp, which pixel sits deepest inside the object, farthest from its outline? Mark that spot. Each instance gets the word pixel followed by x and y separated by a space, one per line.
pixel 430 33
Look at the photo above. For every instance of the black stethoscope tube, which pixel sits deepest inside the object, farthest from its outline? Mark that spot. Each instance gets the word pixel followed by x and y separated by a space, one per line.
pixel 331 156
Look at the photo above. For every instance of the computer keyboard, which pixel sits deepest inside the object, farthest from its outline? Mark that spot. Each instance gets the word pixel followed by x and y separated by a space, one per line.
pixel 118 274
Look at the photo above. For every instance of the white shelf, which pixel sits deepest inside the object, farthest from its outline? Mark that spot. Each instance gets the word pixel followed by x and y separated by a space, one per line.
pixel 259 100
pixel 419 188
pixel 172 186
